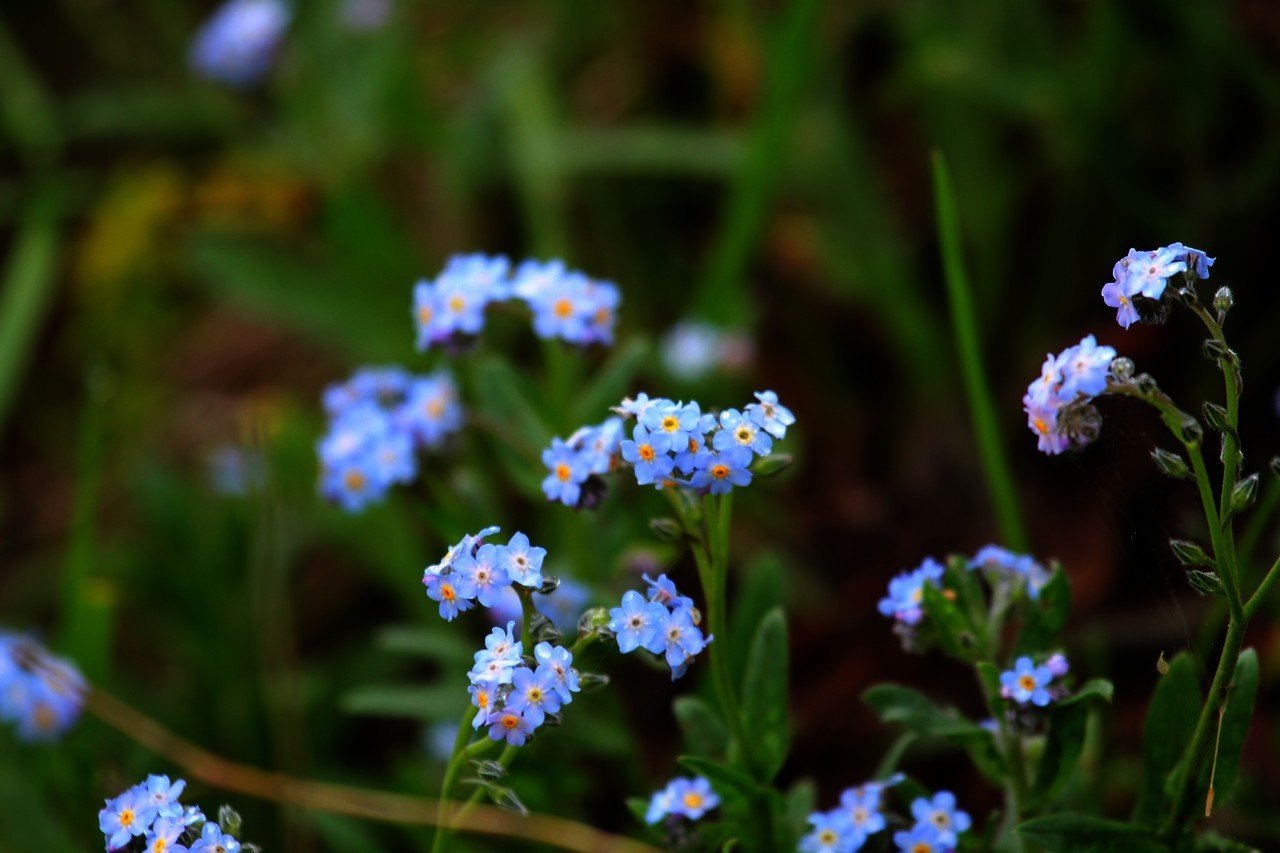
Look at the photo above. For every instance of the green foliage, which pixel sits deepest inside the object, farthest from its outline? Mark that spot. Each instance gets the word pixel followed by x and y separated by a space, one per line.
pixel 1046 617
pixel 1236 718
pixel 1171 717
pixel 764 693
pixel 1071 832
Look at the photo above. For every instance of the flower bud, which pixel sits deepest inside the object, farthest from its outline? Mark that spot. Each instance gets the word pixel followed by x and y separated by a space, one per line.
pixel 1122 368
pixel 229 820
pixel 1244 493
pixel 1205 583
pixel 594 620
pixel 1171 464
pixel 666 529
pixel 1190 431
pixel 1189 553
pixel 1223 301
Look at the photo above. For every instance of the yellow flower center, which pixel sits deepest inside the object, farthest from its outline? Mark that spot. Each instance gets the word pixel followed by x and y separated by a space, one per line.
pixel 719 471
pixel 1040 426
pixel 922 847
pixel 646 452
pixel 744 435
pixel 670 423
pixel 828 836
pixel 1027 682
pixel 126 817
pixel 603 315
pixel 860 816
pixel 482 699
pixel 563 472
pixel 562 308
pixel 693 800
pixel 510 721
pixel 941 820
pixel 446 592
pixel 435 408
pixel 354 481
pixel 535 695
pixel 457 304
pixel 425 313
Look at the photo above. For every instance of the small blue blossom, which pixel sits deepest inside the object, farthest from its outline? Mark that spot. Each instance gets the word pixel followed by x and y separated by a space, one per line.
pixel 483 574
pixel 921 838
pixel 739 430
pixel 905 601
pixel 941 814
pixel 237 45
pixel 534 694
pixel 164 795
pixel 663 590
pixel 510 725
pixel 214 840
pixel 483 693
pixel 648 454
pixel 1075 376
pixel 430 412
pixel 1085 368
pixel 568 472
pixel 639 624
pixel 997 560
pixel 772 416
pixel 1027 682
pixel 126 817
pixel 599 445
pixel 720 472
pixel 452 306
pixel 164 835
pixel 689 798
pixel 1146 275
pixel 861 806
pixel 559 662
pixel 831 832
pixel 678 421
pixel 40 694
pixel 501 654
pixel 683 640
pixel 1057 665
pixel 523 562
pixel 453 591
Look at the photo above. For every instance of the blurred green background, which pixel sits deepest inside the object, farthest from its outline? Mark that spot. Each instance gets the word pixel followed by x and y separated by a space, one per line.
pixel 185 266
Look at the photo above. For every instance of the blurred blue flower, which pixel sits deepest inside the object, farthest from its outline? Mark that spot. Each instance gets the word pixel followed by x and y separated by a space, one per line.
pixel 40 694
pixel 453 591
pixel 214 840
pixel 905 601
pixel 568 472
pixel 831 832
pixel 564 605
pixel 941 814
pixel 689 798
pixel 921 838
pixel 1027 682
pixel 238 44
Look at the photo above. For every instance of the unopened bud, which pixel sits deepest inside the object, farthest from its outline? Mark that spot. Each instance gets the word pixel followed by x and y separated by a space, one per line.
pixel 1223 301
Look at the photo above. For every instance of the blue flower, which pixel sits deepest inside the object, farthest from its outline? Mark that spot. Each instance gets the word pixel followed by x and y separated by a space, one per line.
pixel 126 817
pixel 771 415
pixel 739 430
pixel 1119 294
pixel 693 797
pixel 534 694
pixel 720 472
pixel 683 641
pixel 430 412
pixel 483 692
pixel 921 838
pixel 564 606
pixel 663 590
pixel 1076 375
pixel 164 795
pixel 831 833
pixel 942 815
pixel 501 653
pixel 568 472
pixel 996 559
pixel 639 624
pixel 648 454
pixel 237 45
pixel 1196 260
pixel 40 694
pixel 1027 682
pixel 453 591
pixel 214 840
pixel 1057 665
pixel 598 446
pixel 509 725
pixel 678 421
pixel 600 312
pixel 164 835
pixel 559 662
pixel 689 798
pixel 483 574
pixel 861 806
pixel 561 308
pixel 1085 368
pixel 522 562
pixel 1148 273
pixel 691 349
pixel 906 592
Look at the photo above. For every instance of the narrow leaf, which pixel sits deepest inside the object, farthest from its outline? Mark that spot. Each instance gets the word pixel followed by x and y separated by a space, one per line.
pixel 764 693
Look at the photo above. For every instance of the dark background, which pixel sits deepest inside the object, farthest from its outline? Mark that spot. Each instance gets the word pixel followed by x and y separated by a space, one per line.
pixel 187 267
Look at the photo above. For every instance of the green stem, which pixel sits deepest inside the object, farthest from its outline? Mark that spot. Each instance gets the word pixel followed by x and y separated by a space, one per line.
pixel 451 775
pixel 526 617
pixel 508 753
pixel 986 425
pixel 1260 594
pixel 1184 780
pixel 1015 791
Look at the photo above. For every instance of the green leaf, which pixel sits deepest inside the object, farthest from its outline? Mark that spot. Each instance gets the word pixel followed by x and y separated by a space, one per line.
pixel 764 693
pixel 801 802
pixel 1046 616
pixel 953 631
pixel 1094 690
pixel 969 595
pixel 1171 718
pixel 639 807
pixel 1065 741
pixel 423 642
pixel 894 703
pixel 704 733
pixel 1074 832
pixel 1235 726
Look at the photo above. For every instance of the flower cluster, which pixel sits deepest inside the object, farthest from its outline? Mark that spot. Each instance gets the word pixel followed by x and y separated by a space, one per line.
pixel 665 623
pixel 41 695
pixel 149 816
pixel 690 797
pixel 1028 683
pixel 671 444
pixel 477 571
pixel 378 420
pixel 514 695
pixel 1139 279
pixel 905 601
pixel 237 45
pixel 1058 402
pixel 566 304
pixel 575 465
pixel 1001 562
pixel 848 826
